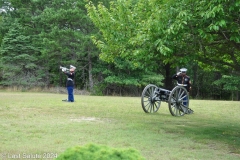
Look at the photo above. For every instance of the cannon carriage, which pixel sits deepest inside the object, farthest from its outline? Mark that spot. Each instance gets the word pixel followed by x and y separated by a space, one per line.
pixel 177 99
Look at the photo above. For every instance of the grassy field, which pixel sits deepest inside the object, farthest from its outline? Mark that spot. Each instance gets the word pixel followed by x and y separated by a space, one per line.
pixel 36 125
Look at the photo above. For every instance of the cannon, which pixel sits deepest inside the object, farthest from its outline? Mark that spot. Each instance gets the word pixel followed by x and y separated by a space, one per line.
pixel 177 99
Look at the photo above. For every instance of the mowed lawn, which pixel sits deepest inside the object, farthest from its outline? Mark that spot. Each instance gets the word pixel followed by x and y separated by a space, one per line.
pixel 40 124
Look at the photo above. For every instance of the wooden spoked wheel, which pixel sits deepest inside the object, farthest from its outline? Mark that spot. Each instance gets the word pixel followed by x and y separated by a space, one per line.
pixel 178 101
pixel 150 101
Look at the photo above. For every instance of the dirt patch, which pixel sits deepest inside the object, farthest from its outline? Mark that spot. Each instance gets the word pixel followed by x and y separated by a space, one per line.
pixel 88 119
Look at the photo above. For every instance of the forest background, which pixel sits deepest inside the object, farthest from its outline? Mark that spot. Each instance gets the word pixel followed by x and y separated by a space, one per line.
pixel 120 46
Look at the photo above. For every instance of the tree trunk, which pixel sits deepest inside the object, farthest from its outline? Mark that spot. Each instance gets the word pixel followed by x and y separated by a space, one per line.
pixel 195 87
pixel 90 73
pixel 168 78
pixel 238 98
pixel 60 78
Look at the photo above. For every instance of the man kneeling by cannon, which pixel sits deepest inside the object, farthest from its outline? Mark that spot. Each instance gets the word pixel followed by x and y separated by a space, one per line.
pixel 177 99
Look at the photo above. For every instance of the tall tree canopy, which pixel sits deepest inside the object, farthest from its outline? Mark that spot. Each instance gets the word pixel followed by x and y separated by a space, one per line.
pixel 138 42
pixel 57 32
pixel 175 31
pixel 153 33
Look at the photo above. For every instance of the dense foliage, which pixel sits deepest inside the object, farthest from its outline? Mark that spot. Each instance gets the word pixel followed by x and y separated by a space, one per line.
pixel 197 34
pixel 94 151
pixel 120 46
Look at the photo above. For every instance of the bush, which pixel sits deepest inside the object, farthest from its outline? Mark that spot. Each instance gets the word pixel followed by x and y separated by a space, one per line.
pixel 98 152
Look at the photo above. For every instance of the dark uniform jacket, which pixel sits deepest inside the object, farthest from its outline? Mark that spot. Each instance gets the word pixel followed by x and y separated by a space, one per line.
pixel 182 81
pixel 70 79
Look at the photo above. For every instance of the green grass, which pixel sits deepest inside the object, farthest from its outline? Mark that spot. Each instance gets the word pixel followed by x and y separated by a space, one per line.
pixel 40 123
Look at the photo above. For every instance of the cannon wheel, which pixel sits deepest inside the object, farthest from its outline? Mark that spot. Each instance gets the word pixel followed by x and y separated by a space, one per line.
pixel 148 99
pixel 178 101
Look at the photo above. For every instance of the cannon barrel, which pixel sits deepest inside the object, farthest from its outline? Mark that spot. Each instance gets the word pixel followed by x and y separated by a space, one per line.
pixel 163 94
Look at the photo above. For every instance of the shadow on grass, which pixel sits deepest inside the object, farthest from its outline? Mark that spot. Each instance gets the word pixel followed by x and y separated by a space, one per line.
pixel 227 133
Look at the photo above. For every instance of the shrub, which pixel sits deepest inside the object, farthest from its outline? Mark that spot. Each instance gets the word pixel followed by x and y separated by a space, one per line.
pixel 99 152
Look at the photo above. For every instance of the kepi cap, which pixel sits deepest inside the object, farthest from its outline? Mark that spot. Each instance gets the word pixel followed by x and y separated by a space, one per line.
pixel 183 69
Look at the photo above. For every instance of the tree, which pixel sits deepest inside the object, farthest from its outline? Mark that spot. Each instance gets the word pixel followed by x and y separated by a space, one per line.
pixel 171 33
pixel 67 40
pixel 60 30
pixel 215 29
pixel 18 61
pixel 116 45
pixel 172 26
pixel 19 49
pixel 230 83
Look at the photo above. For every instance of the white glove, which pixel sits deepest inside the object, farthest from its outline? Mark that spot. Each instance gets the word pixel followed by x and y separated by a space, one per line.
pixel 179 73
pixel 64 69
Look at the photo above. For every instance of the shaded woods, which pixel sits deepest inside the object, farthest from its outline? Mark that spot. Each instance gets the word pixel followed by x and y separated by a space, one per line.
pixel 119 47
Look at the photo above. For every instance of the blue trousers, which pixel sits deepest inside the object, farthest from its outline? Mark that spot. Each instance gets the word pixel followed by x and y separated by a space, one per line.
pixel 70 94
pixel 185 99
